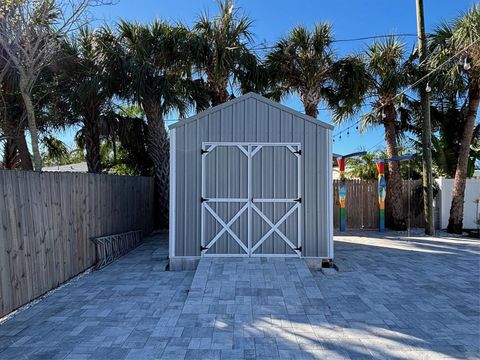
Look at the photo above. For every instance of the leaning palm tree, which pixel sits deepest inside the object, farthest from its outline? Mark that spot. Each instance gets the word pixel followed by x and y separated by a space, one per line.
pixel 375 78
pixel 302 63
pixel 222 54
pixel 157 76
pixel 449 43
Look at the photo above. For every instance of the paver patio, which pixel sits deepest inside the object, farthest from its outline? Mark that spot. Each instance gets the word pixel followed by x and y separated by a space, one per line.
pixel 391 298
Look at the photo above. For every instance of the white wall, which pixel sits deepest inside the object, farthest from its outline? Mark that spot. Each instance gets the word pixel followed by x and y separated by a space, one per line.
pixel 472 193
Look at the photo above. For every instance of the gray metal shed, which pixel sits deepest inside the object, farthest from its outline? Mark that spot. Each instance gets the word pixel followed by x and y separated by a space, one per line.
pixel 250 177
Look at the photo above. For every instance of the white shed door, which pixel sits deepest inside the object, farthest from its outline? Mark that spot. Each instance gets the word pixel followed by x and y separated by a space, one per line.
pixel 251 199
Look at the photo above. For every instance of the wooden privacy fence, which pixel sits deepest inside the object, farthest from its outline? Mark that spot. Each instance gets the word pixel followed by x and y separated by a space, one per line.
pixel 47 220
pixel 362 204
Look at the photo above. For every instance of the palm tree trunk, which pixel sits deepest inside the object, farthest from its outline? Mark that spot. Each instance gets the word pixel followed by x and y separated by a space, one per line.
pixel 218 92
pixel 16 135
pixel 32 125
pixel 311 110
pixel 92 144
pixel 23 153
pixel 394 198
pixel 310 103
pixel 455 222
pixel 10 154
pixel 159 152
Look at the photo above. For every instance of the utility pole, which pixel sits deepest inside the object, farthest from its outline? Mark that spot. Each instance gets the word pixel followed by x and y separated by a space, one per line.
pixel 427 126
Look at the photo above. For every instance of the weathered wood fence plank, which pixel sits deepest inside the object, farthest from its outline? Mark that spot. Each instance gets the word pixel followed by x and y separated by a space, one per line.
pixel 47 220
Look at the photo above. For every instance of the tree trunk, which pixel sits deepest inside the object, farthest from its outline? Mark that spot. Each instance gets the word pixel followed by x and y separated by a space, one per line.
pixel 394 198
pixel 310 102
pixel 455 222
pixel 158 150
pixel 218 91
pixel 23 153
pixel 16 134
pixel 10 154
pixel 311 110
pixel 32 126
pixel 92 144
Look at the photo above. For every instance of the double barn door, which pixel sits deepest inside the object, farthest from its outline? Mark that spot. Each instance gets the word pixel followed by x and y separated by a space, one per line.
pixel 251 199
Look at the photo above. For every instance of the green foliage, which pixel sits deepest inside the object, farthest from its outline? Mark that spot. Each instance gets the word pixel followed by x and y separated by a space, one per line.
pixel 454 44
pixel 222 55
pixel 55 150
pixel 302 63
pixel 156 63
pixel 373 78
pixel 455 53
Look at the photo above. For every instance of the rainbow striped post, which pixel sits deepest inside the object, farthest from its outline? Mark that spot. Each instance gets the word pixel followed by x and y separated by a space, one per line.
pixel 342 192
pixel 382 193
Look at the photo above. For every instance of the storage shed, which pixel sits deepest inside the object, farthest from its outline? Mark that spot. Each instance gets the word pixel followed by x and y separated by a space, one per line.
pixel 250 177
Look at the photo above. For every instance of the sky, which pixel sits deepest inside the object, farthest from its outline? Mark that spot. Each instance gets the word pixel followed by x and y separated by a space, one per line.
pixel 273 19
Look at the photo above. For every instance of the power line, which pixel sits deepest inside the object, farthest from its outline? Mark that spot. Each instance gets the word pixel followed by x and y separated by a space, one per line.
pixel 269 47
pixel 374 146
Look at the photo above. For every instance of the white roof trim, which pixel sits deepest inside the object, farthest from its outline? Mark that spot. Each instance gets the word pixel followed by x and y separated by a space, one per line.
pixel 259 98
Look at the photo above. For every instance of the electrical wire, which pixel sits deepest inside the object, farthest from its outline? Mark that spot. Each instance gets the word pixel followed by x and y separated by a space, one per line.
pixel 269 47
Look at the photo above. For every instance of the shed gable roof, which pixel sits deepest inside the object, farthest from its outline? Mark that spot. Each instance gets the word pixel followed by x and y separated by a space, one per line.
pixel 259 98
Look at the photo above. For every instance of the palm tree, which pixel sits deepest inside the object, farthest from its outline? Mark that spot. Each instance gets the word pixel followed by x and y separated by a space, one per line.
pixel 302 63
pixel 222 53
pixel 375 78
pixel 56 151
pixel 448 123
pixel 157 75
pixel 87 91
pixel 451 42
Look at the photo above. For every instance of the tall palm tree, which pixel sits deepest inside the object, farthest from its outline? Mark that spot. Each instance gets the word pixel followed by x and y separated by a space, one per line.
pixel 222 53
pixel 157 75
pixel 302 63
pixel 87 91
pixel 461 38
pixel 375 78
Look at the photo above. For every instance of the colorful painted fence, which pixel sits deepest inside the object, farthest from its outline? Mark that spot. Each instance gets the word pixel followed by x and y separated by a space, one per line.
pixel 361 204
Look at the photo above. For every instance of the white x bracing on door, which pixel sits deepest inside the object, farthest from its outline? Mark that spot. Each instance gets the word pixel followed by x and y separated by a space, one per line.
pixel 249 242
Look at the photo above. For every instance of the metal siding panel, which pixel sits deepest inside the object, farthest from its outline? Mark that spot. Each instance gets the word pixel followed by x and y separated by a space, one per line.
pixel 251 120
pixel 229 246
pixel 310 191
pixel 321 194
pixel 286 135
pixel 329 205
pixel 324 189
pixel 239 135
pixel 180 200
pixel 190 189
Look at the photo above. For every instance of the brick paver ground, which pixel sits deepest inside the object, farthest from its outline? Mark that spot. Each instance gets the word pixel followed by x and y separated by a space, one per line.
pixel 392 298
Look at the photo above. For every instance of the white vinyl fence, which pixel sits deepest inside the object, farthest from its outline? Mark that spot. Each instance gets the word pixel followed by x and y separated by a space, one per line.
pixel 471 205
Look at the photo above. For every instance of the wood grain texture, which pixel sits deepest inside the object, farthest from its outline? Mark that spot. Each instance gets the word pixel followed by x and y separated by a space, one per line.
pixel 47 220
